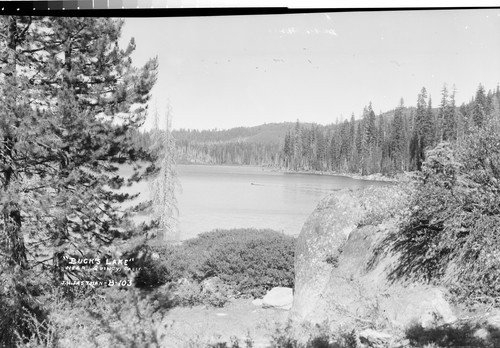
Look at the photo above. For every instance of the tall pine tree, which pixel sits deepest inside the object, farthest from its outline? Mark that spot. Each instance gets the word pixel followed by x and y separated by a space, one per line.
pixel 69 99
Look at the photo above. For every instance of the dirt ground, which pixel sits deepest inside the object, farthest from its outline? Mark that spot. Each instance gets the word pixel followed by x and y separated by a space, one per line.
pixel 200 325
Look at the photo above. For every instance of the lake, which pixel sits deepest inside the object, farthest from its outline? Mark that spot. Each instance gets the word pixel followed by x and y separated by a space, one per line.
pixel 221 197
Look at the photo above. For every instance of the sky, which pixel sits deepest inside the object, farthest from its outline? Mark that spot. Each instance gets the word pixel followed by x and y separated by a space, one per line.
pixel 224 72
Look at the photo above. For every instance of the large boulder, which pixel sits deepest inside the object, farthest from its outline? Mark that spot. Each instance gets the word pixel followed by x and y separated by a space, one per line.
pixel 316 243
pixel 342 273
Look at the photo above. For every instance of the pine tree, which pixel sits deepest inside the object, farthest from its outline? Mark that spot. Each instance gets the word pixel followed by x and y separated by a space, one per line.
pixel 442 133
pixel 382 148
pixel 297 147
pixel 371 147
pixel 421 131
pixel 359 145
pixel 367 130
pixel 398 141
pixel 320 150
pixel 334 150
pixel 371 128
pixel 451 119
pixel 353 163
pixel 69 99
pixel 430 126
pixel 287 150
pixel 480 107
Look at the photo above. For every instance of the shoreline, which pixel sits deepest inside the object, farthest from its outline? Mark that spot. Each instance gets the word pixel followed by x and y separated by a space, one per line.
pixel 371 177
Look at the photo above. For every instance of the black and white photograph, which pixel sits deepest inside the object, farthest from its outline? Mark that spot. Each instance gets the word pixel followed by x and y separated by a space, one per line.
pixel 315 178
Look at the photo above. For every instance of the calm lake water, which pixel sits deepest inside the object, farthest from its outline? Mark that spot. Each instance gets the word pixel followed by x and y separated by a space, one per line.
pixel 220 197
pixel 215 197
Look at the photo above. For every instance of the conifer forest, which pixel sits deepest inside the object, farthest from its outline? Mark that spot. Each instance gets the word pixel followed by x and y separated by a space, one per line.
pixel 389 142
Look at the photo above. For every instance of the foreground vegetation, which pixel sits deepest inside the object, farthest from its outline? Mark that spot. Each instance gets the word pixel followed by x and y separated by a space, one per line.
pixel 217 266
pixel 451 232
pixel 212 269
pixel 69 100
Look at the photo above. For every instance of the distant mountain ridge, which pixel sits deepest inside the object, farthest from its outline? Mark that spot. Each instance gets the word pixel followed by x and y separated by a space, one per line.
pixel 268 133
pixel 391 142
pixel 278 144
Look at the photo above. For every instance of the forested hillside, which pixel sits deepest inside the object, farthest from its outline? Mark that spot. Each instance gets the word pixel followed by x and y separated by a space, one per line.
pixel 266 133
pixel 258 145
pixel 392 142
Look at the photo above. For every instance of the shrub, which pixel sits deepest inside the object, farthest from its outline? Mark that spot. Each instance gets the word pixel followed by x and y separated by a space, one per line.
pixel 192 293
pixel 458 335
pixel 215 293
pixel 159 265
pixel 188 293
pixel 235 343
pixel 114 318
pixel 250 261
pixel 318 336
pixel 19 307
pixel 452 232
pixel 130 318
pixel 382 203
pixel 42 334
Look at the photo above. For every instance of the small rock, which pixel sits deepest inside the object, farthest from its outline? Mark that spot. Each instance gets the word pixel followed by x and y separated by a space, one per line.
pixel 279 297
pixel 221 314
pixel 375 339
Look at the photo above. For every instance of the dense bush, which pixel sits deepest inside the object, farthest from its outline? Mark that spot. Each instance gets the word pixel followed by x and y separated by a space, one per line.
pixel 159 265
pixel 452 231
pixel 246 260
pixel 461 334
pixel 250 261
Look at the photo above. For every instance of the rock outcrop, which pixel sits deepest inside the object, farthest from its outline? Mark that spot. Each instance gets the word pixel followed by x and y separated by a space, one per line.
pixel 338 280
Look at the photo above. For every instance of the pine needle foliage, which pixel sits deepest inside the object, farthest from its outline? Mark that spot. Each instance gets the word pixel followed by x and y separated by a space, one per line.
pixel 69 99
pixel 452 232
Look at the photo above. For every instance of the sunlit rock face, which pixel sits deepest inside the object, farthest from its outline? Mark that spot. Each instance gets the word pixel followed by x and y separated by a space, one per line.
pixel 339 280
pixel 323 233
